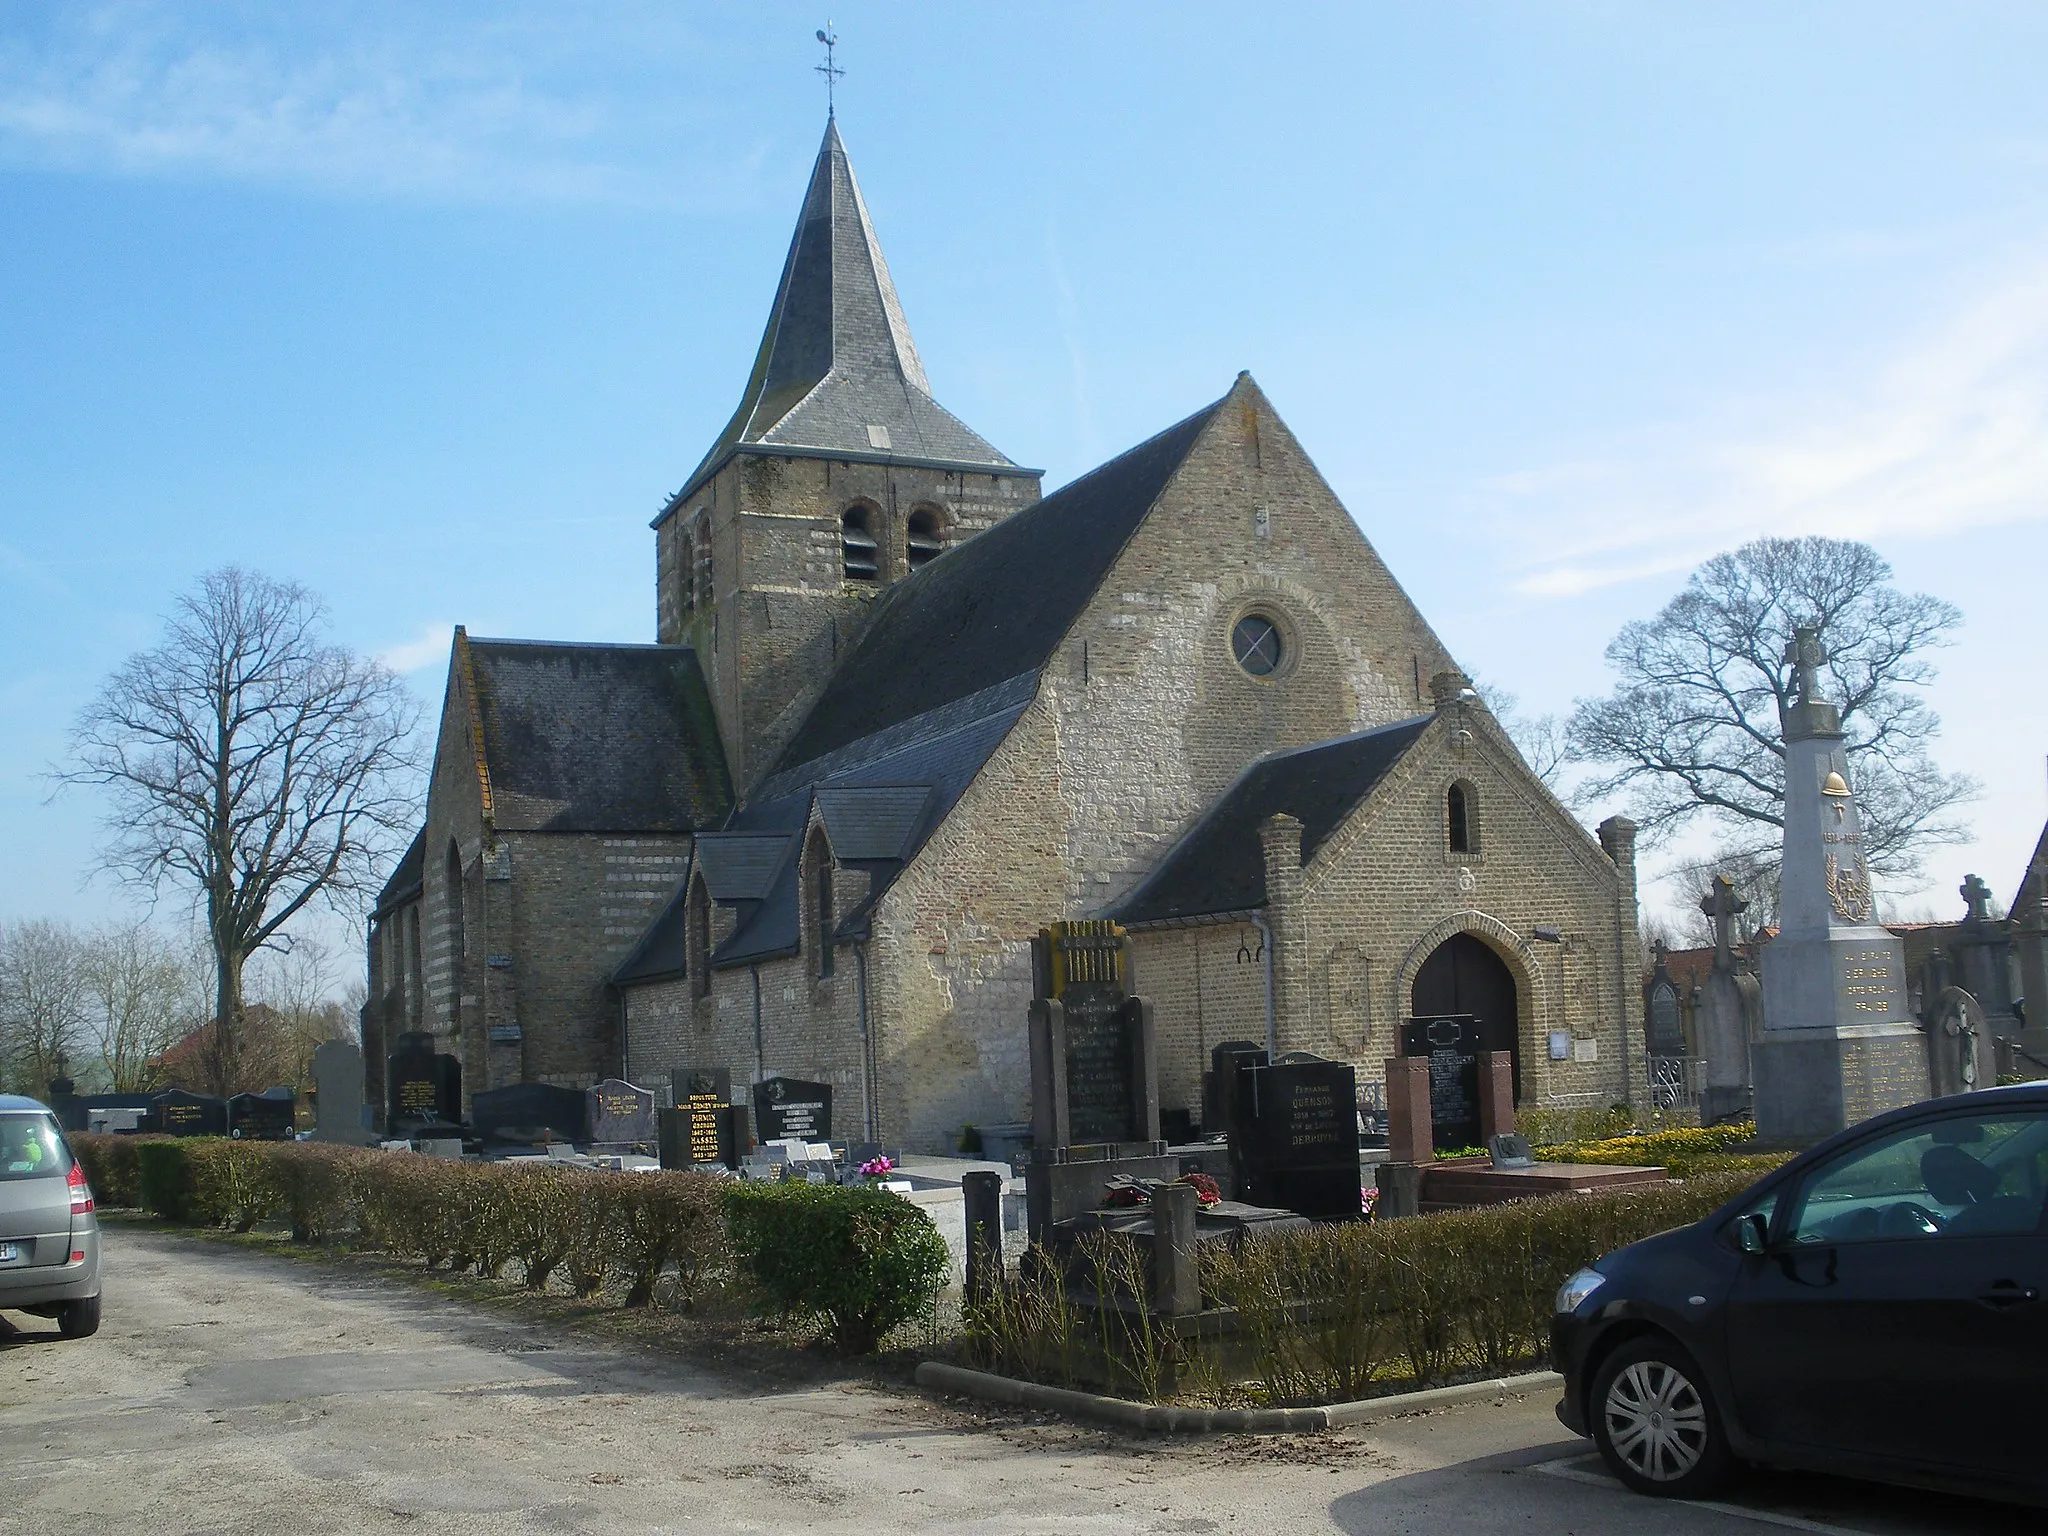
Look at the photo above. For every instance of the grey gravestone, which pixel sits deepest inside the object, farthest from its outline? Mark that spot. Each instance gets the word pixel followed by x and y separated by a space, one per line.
pixel 338 1089
pixel 1297 1131
pixel 265 1116
pixel 1960 1053
pixel 1451 1044
pixel 424 1086
pixel 1838 1045
pixel 1730 1013
pixel 621 1114
pixel 530 1113
pixel 178 1113
pixel 790 1107
pixel 1663 1032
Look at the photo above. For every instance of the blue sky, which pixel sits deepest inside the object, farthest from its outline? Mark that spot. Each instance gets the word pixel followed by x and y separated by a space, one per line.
pixel 429 307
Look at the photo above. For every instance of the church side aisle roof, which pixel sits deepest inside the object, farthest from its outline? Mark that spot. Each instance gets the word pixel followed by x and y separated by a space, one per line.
pixel 407 879
pixel 837 371
pixel 994 606
pixel 1219 865
pixel 598 738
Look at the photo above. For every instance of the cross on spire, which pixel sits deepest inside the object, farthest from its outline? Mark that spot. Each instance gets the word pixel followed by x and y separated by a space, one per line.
pixel 830 68
pixel 1723 905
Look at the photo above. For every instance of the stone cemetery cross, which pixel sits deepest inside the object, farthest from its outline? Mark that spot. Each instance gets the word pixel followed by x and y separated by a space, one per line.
pixel 1722 906
pixel 1977 896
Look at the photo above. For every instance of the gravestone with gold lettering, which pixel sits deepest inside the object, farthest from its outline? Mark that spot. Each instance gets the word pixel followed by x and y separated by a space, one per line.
pixel 1838 1044
pixel 1094 1075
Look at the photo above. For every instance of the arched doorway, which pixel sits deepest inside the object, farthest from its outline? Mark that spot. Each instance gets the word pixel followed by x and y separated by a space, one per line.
pixel 1464 975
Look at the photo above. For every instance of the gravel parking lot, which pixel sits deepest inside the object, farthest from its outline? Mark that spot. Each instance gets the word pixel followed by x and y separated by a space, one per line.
pixel 231 1390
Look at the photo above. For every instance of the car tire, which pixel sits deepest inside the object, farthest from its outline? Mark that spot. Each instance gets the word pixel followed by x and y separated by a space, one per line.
pixel 1656 1422
pixel 79 1319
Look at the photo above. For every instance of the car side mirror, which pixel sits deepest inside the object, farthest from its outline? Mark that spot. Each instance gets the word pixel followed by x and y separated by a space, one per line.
pixel 1752 1232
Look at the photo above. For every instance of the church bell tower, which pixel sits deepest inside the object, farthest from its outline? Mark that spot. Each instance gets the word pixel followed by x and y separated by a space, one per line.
pixel 838 477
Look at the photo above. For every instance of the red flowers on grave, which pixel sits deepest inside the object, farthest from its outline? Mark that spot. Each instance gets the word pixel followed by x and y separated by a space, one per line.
pixel 1207 1191
pixel 878 1167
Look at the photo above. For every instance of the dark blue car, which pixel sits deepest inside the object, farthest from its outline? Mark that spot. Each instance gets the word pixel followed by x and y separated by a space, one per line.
pixel 1874 1308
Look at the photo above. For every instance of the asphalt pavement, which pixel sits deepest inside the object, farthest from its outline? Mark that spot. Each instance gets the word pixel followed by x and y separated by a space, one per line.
pixel 231 1390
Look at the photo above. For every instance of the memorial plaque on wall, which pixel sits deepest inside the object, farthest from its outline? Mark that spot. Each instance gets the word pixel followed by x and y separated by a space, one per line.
pixel 1451 1042
pixel 787 1107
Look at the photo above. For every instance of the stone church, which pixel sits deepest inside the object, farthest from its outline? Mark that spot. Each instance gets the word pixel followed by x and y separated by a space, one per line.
pixel 902 711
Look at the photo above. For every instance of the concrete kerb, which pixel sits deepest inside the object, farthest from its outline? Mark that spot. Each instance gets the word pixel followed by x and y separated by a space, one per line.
pixel 937 1376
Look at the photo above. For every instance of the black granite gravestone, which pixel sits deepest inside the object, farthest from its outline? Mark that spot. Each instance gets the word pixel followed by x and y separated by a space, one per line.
pixel 789 1107
pixel 1451 1043
pixel 424 1086
pixel 78 1116
pixel 265 1116
pixel 531 1113
pixel 621 1115
pixel 175 1112
pixel 1295 1136
pixel 699 1133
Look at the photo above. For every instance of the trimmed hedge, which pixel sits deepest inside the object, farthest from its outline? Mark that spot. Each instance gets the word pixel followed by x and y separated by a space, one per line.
pixel 860 1261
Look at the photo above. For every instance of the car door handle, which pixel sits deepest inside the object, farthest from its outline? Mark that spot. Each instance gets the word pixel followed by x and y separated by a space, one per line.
pixel 2004 1293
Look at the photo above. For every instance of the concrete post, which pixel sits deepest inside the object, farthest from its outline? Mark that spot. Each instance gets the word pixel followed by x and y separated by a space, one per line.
pixel 983 1196
pixel 1176 1283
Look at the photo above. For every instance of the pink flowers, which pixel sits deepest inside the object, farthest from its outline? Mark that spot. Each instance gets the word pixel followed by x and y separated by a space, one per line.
pixel 877 1167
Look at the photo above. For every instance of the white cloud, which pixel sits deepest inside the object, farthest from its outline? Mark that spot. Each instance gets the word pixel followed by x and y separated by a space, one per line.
pixel 1945 431
pixel 412 103
pixel 428 648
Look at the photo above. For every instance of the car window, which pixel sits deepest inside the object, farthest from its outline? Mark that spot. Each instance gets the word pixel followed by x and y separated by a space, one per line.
pixel 1963 1176
pixel 30 1148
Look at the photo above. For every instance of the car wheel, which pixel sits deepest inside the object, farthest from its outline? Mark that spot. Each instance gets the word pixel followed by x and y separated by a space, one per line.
pixel 1655 1421
pixel 79 1319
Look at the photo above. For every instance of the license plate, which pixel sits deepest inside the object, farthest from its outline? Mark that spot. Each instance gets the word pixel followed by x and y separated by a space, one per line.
pixel 9 1253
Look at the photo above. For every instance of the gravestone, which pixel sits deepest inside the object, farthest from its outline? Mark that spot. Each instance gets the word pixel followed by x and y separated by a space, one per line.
pixel 1730 1012
pixel 1296 1136
pixel 528 1114
pixel 1838 1045
pixel 786 1107
pixel 338 1094
pixel 424 1085
pixel 127 1111
pixel 1663 1033
pixel 265 1116
pixel 1094 1075
pixel 699 1133
pixel 176 1112
pixel 694 1082
pixel 1450 1044
pixel 1960 1051
pixel 620 1115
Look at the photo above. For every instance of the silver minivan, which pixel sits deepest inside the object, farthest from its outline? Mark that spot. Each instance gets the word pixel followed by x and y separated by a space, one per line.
pixel 49 1236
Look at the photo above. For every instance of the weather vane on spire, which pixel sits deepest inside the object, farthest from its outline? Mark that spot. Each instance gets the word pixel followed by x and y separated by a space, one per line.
pixel 829 69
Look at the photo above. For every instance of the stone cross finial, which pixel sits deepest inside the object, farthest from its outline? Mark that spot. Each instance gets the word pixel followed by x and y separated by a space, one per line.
pixel 1806 655
pixel 1977 895
pixel 1723 905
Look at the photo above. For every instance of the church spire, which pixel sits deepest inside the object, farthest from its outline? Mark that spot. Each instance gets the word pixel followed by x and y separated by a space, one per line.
pixel 837 373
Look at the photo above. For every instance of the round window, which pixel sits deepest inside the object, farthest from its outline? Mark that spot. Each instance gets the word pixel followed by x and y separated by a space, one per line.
pixel 1255 642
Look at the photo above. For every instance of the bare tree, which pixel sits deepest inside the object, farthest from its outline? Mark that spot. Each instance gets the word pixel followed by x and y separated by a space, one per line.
pixel 1691 730
pixel 1541 739
pixel 42 1002
pixel 253 762
pixel 145 994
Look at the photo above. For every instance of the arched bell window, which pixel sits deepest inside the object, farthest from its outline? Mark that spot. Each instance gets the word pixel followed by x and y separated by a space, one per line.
pixel 925 538
pixel 860 556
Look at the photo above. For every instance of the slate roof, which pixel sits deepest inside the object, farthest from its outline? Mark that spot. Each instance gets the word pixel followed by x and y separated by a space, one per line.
pixel 837 357
pixel 997 604
pixel 1218 865
pixel 407 878
pixel 598 738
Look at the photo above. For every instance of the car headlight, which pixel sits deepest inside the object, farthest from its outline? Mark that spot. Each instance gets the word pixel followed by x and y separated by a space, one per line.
pixel 1573 1293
